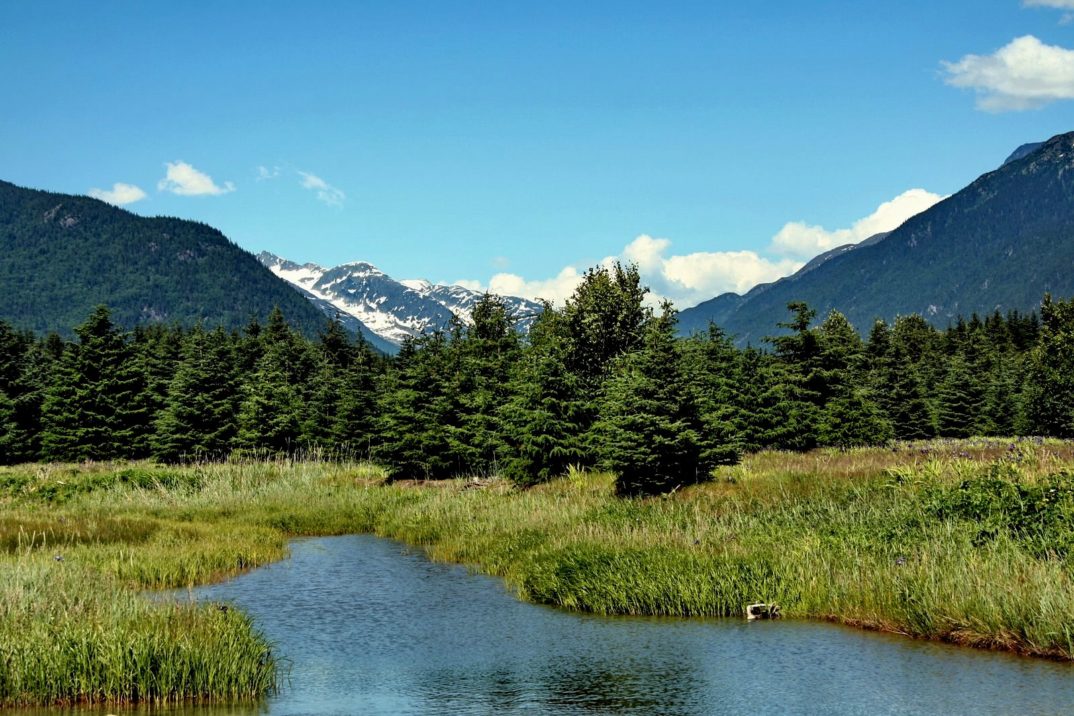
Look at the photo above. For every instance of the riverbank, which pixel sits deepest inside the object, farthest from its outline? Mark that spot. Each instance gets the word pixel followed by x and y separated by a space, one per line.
pixel 965 542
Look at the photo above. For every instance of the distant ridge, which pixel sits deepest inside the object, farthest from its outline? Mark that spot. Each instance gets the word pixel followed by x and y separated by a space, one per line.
pixel 393 310
pixel 999 244
pixel 64 254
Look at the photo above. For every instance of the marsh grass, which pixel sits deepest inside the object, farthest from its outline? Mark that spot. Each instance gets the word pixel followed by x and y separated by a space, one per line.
pixel 967 542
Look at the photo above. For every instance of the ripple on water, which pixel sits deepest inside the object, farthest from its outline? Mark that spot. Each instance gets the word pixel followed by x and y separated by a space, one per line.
pixel 370 626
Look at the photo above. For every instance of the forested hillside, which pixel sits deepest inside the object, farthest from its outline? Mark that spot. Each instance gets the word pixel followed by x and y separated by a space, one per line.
pixel 64 254
pixel 999 244
pixel 601 382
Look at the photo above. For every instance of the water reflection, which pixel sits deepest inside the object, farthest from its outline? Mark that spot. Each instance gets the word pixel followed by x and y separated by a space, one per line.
pixel 371 627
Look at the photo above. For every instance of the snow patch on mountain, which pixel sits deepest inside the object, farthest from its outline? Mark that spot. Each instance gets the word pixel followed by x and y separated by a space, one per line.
pixel 394 310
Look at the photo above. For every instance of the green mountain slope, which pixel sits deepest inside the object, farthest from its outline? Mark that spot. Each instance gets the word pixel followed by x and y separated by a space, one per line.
pixel 63 254
pixel 1000 243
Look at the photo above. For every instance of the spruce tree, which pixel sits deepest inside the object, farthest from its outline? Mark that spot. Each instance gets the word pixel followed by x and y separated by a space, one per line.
pixel 853 419
pixel 419 411
pixel 271 411
pixel 1049 391
pixel 960 401
pixel 8 430
pixel 198 419
pixel 904 399
pixel 93 409
pixel 541 418
pixel 650 425
pixel 485 351
pixel 713 370
pixel 800 385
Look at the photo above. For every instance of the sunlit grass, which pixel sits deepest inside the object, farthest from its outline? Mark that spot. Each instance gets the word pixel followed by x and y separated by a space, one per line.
pixel 867 537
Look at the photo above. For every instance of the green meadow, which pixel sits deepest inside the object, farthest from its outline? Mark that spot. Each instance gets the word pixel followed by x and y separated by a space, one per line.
pixel 962 541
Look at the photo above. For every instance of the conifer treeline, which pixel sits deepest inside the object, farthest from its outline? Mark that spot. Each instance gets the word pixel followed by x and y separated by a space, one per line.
pixel 601 382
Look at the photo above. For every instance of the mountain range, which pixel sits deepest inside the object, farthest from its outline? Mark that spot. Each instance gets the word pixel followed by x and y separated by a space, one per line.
pixel 999 244
pixel 61 255
pixel 391 309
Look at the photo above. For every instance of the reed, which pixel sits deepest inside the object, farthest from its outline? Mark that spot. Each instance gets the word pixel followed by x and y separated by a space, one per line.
pixel 963 541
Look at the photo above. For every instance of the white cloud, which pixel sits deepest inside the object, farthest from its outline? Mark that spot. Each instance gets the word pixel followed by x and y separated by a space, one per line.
pixel 688 279
pixel 685 279
pixel 1066 18
pixel 1025 74
pixel 556 289
pixel 326 193
pixel 798 238
pixel 264 173
pixel 120 194
pixel 1060 4
pixel 185 180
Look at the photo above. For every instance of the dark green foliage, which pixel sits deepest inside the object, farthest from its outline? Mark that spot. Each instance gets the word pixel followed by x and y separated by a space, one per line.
pixel 713 369
pixel 650 425
pixel 799 383
pixel 1040 514
pixel 275 396
pixel 485 352
pixel 7 428
pixel 418 411
pixel 605 318
pixel 96 406
pixel 482 400
pixel 853 419
pixel 542 418
pixel 198 417
pixel 65 254
pixel 904 399
pixel 961 402
pixel 1050 372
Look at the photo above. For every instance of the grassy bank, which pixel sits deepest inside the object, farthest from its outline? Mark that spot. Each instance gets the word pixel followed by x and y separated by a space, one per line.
pixel 967 542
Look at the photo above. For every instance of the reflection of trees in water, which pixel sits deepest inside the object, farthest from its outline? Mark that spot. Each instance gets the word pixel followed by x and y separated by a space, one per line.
pixel 572 687
pixel 633 687
pixel 449 691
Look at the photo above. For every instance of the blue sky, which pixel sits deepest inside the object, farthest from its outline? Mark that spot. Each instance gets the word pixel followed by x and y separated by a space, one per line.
pixel 513 144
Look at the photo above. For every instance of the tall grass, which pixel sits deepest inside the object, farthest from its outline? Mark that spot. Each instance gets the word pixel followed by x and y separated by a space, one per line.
pixel 965 541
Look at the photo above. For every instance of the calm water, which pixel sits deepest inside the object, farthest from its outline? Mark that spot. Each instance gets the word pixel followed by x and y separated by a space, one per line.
pixel 372 627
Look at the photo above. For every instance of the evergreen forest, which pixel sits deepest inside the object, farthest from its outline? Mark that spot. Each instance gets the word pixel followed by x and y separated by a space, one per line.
pixel 603 382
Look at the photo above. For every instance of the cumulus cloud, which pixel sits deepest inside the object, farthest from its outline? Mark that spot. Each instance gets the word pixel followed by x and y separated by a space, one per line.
pixel 326 193
pixel 264 173
pixel 119 195
pixel 556 289
pixel 688 279
pixel 800 239
pixel 1025 74
pixel 185 180
pixel 685 279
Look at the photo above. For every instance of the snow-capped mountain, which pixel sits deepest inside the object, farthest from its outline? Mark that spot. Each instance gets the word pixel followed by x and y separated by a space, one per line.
pixel 389 308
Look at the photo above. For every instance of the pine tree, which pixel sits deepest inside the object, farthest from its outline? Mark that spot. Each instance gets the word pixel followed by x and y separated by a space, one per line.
pixel 853 419
pixel 960 401
pixel 7 430
pixel 419 410
pixel 713 370
pixel 93 408
pixel 1049 392
pixel 541 417
pixel 650 426
pixel 199 416
pixel 799 386
pixel 904 400
pixel 485 351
